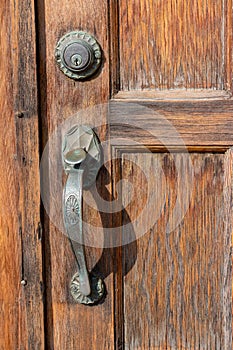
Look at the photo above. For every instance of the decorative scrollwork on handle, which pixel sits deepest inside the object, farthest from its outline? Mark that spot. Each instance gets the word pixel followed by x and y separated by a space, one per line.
pixel 72 210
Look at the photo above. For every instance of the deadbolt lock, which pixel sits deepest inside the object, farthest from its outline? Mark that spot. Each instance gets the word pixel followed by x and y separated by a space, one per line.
pixel 78 55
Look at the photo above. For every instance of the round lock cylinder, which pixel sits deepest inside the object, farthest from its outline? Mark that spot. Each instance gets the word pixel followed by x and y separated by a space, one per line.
pixel 78 55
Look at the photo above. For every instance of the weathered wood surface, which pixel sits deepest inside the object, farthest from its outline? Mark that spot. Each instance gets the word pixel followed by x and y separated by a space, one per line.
pixel 189 123
pixel 178 293
pixel 21 287
pixel 175 44
pixel 69 325
pixel 174 289
pixel 187 302
pixel 173 95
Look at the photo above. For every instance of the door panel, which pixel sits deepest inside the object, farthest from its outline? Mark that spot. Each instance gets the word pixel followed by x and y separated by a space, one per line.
pixel 177 294
pixel 175 44
pixel 171 84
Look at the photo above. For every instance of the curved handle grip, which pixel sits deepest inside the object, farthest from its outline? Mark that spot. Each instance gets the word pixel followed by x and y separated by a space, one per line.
pixel 81 157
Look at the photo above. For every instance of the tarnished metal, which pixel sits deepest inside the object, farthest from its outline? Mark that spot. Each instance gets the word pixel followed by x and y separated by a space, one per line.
pixel 78 55
pixel 81 160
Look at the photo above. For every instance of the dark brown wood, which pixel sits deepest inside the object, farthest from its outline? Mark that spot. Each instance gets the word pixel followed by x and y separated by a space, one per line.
pixel 114 58
pixel 175 44
pixel 21 288
pixel 70 325
pixel 118 253
pixel 178 293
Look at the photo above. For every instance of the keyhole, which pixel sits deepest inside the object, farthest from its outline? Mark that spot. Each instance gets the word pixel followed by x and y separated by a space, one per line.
pixel 76 60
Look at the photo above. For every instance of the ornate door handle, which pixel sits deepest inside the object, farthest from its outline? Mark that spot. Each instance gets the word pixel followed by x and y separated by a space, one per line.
pixel 81 160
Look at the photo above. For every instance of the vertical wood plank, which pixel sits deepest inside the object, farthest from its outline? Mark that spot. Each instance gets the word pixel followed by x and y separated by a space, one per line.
pixel 21 289
pixel 227 296
pixel 69 325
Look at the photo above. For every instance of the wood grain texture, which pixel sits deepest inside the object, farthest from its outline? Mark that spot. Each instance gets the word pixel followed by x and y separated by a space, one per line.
pixel 181 123
pixel 173 95
pixel 21 288
pixel 175 44
pixel 178 294
pixel 70 325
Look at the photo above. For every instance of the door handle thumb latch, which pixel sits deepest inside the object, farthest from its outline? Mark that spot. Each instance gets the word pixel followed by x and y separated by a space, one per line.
pixel 82 156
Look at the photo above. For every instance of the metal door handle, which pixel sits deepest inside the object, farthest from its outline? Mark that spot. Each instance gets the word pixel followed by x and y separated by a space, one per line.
pixel 81 156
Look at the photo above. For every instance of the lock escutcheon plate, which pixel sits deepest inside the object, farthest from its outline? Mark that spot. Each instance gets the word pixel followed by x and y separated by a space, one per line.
pixel 78 55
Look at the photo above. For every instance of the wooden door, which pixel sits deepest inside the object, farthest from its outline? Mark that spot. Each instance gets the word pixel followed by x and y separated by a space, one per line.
pixel 161 105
